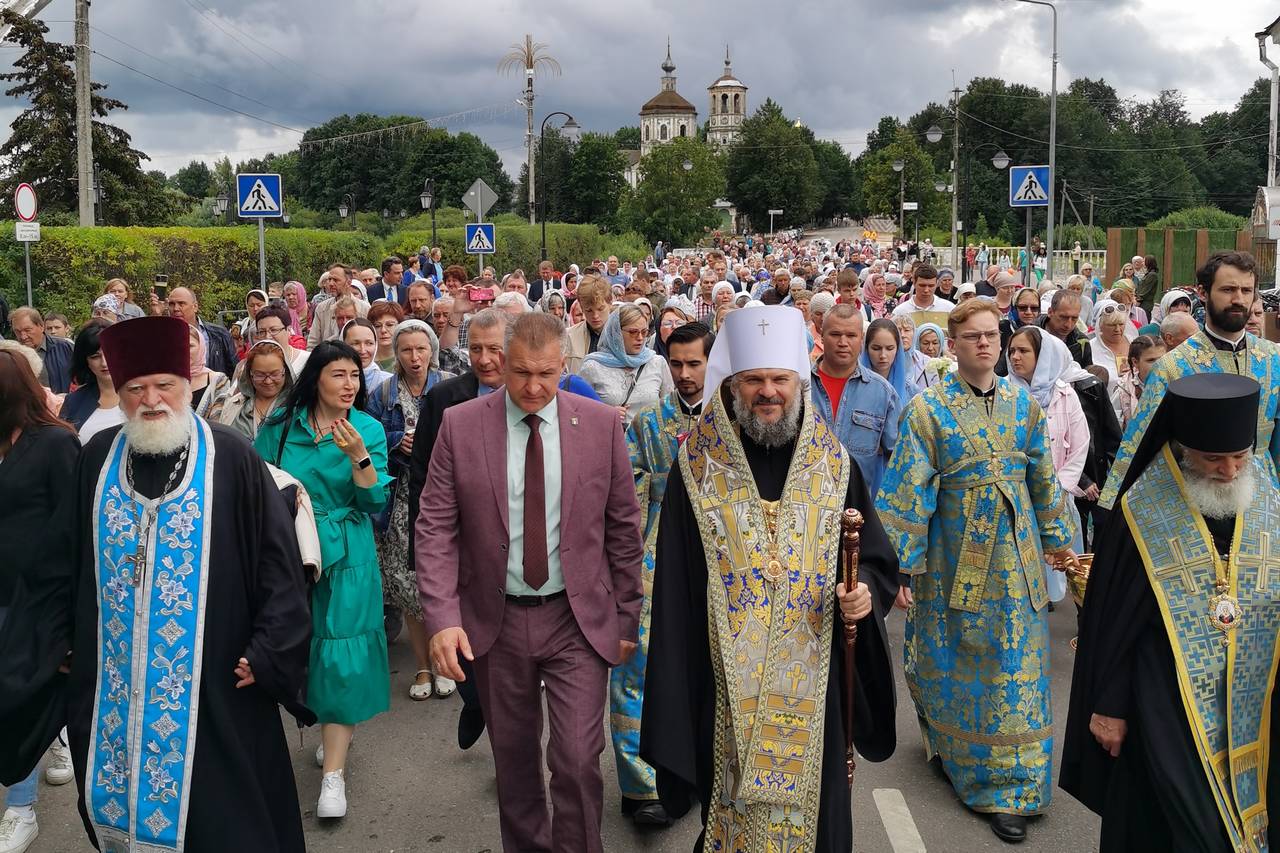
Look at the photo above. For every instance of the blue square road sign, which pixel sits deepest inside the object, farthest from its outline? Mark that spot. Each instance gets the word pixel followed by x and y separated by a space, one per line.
pixel 259 196
pixel 1028 186
pixel 480 239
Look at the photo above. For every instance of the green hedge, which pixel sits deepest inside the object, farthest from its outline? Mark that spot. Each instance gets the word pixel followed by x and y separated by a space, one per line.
pixel 70 265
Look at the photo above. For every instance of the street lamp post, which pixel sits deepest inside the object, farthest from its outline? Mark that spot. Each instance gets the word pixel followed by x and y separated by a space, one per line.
pixel 347 207
pixel 570 128
pixel 220 202
pixel 900 167
pixel 1053 134
pixel 428 199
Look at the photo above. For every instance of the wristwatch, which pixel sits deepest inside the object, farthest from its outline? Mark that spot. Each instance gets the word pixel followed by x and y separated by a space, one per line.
pixel 364 463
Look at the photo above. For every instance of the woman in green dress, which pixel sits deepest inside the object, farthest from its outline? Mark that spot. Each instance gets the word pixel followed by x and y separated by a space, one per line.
pixel 324 439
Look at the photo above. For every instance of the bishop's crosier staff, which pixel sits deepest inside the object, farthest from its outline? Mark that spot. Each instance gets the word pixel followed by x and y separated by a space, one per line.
pixel 850 527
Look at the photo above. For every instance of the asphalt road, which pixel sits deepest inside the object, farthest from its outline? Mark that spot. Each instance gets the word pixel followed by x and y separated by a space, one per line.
pixel 411 789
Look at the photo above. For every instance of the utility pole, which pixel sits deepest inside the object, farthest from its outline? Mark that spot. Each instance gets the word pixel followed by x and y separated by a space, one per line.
pixel 1090 222
pixel 955 174
pixel 84 115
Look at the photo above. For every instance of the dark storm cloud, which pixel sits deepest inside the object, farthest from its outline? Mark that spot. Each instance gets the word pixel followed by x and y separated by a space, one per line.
pixel 836 65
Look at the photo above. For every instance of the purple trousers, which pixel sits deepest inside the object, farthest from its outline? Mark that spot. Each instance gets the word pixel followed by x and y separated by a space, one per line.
pixel 544 644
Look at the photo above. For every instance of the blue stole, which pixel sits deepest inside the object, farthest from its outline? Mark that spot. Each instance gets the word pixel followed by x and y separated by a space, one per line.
pixel 151 560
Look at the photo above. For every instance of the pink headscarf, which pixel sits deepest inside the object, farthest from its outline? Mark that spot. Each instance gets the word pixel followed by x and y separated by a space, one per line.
pixel 298 318
pixel 873 293
pixel 198 366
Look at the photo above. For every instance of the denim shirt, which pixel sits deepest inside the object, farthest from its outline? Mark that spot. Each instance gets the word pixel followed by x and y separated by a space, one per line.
pixel 384 406
pixel 867 423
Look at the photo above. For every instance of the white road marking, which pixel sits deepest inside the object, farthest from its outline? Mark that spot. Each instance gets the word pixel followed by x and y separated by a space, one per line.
pixel 896 817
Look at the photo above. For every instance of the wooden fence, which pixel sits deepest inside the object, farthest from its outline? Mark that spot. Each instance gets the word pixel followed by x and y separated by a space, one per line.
pixel 1179 251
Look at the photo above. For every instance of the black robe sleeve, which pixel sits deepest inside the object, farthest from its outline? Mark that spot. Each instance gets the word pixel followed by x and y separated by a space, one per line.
pixel 677 724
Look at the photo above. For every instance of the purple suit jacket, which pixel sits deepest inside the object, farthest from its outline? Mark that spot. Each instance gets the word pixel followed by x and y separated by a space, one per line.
pixel 462 537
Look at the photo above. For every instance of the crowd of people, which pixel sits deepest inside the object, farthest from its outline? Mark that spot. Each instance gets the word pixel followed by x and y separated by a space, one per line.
pixel 531 476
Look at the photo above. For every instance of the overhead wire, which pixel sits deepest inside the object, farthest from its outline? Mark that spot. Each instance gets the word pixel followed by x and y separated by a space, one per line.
pixel 207 15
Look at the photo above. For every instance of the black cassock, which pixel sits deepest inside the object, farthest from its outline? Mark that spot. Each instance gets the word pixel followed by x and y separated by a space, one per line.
pixel 677 726
pixel 242 796
pixel 1154 796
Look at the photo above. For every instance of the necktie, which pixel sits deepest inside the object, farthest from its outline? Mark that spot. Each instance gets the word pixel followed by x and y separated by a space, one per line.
pixel 535 508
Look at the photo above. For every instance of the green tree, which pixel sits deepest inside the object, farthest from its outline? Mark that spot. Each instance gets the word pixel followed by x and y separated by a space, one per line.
pixel 881 184
pixel 627 137
pixel 348 155
pixel 195 179
pixel 671 203
pixel 553 154
pixel 42 148
pixel 595 181
pixel 837 178
pixel 771 165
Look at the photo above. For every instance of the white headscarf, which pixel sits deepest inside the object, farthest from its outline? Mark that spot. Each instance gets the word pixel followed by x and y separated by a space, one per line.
pixel 1053 365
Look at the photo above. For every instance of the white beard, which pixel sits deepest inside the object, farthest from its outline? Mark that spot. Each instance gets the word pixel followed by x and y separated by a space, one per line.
pixel 768 435
pixel 1219 500
pixel 160 437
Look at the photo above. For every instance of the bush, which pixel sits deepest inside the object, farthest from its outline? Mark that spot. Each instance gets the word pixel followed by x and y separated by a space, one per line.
pixel 70 265
pixel 1204 216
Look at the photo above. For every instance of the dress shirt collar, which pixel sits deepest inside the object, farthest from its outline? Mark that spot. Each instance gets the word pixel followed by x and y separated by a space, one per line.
pixel 549 413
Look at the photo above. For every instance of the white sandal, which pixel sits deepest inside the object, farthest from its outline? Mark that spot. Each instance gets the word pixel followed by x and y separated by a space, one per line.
pixel 445 686
pixel 419 692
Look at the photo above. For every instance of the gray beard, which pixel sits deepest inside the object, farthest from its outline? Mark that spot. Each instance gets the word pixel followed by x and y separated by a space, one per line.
pixel 776 434
pixel 1219 500
pixel 159 438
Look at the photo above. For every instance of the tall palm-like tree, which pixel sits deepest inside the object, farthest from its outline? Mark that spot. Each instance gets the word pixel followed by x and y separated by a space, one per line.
pixel 529 57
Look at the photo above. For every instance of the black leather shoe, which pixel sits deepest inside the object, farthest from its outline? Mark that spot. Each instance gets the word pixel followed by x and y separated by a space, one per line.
pixel 1010 828
pixel 651 814
pixel 470 727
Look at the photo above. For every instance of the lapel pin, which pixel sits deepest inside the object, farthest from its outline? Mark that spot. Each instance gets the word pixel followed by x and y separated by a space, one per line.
pixel 573 421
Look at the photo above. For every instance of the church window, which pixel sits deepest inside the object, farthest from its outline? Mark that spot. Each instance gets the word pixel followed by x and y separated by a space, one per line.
pixel 736 108
pixel 662 133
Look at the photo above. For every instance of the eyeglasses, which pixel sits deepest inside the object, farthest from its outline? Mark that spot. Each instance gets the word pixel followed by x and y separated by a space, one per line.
pixel 272 332
pixel 1111 309
pixel 272 376
pixel 975 337
pixel 1033 308
pixel 635 333
pixel 671 324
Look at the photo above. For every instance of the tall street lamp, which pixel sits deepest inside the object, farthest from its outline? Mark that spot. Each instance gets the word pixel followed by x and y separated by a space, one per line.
pixel 346 208
pixel 900 167
pixel 570 129
pixel 428 199
pixel 1053 131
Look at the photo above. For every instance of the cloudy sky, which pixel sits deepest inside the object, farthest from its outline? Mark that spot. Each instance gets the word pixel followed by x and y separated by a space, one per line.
pixel 834 64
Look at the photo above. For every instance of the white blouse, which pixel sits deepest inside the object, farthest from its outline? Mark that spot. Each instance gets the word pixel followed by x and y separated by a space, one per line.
pixel 651 383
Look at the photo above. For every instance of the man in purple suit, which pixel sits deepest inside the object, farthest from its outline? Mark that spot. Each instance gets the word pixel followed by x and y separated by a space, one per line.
pixel 545 590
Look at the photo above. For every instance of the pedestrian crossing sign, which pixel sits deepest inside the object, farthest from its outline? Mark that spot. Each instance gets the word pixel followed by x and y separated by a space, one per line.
pixel 259 196
pixel 1029 186
pixel 480 239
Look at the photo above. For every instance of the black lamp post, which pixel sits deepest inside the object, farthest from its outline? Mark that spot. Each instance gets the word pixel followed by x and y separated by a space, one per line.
pixel 428 199
pixel 347 207
pixel 220 202
pixel 570 128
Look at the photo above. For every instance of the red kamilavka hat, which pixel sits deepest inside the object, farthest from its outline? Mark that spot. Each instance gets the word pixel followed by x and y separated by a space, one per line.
pixel 146 346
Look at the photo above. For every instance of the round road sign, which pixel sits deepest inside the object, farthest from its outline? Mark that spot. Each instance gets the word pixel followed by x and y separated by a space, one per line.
pixel 24 202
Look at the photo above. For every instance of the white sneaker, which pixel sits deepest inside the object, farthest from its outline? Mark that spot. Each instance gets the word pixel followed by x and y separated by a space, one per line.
pixel 17 833
pixel 333 796
pixel 57 762
pixel 445 686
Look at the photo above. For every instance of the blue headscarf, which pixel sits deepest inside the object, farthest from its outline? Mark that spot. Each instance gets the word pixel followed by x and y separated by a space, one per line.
pixel 900 370
pixel 937 330
pixel 612 350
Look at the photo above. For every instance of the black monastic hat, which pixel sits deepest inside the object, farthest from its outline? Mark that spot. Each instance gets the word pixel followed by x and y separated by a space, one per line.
pixel 1214 412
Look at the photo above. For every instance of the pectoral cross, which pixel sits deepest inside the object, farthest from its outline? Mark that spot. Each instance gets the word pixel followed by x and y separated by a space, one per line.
pixel 138 561
pixel 763 324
